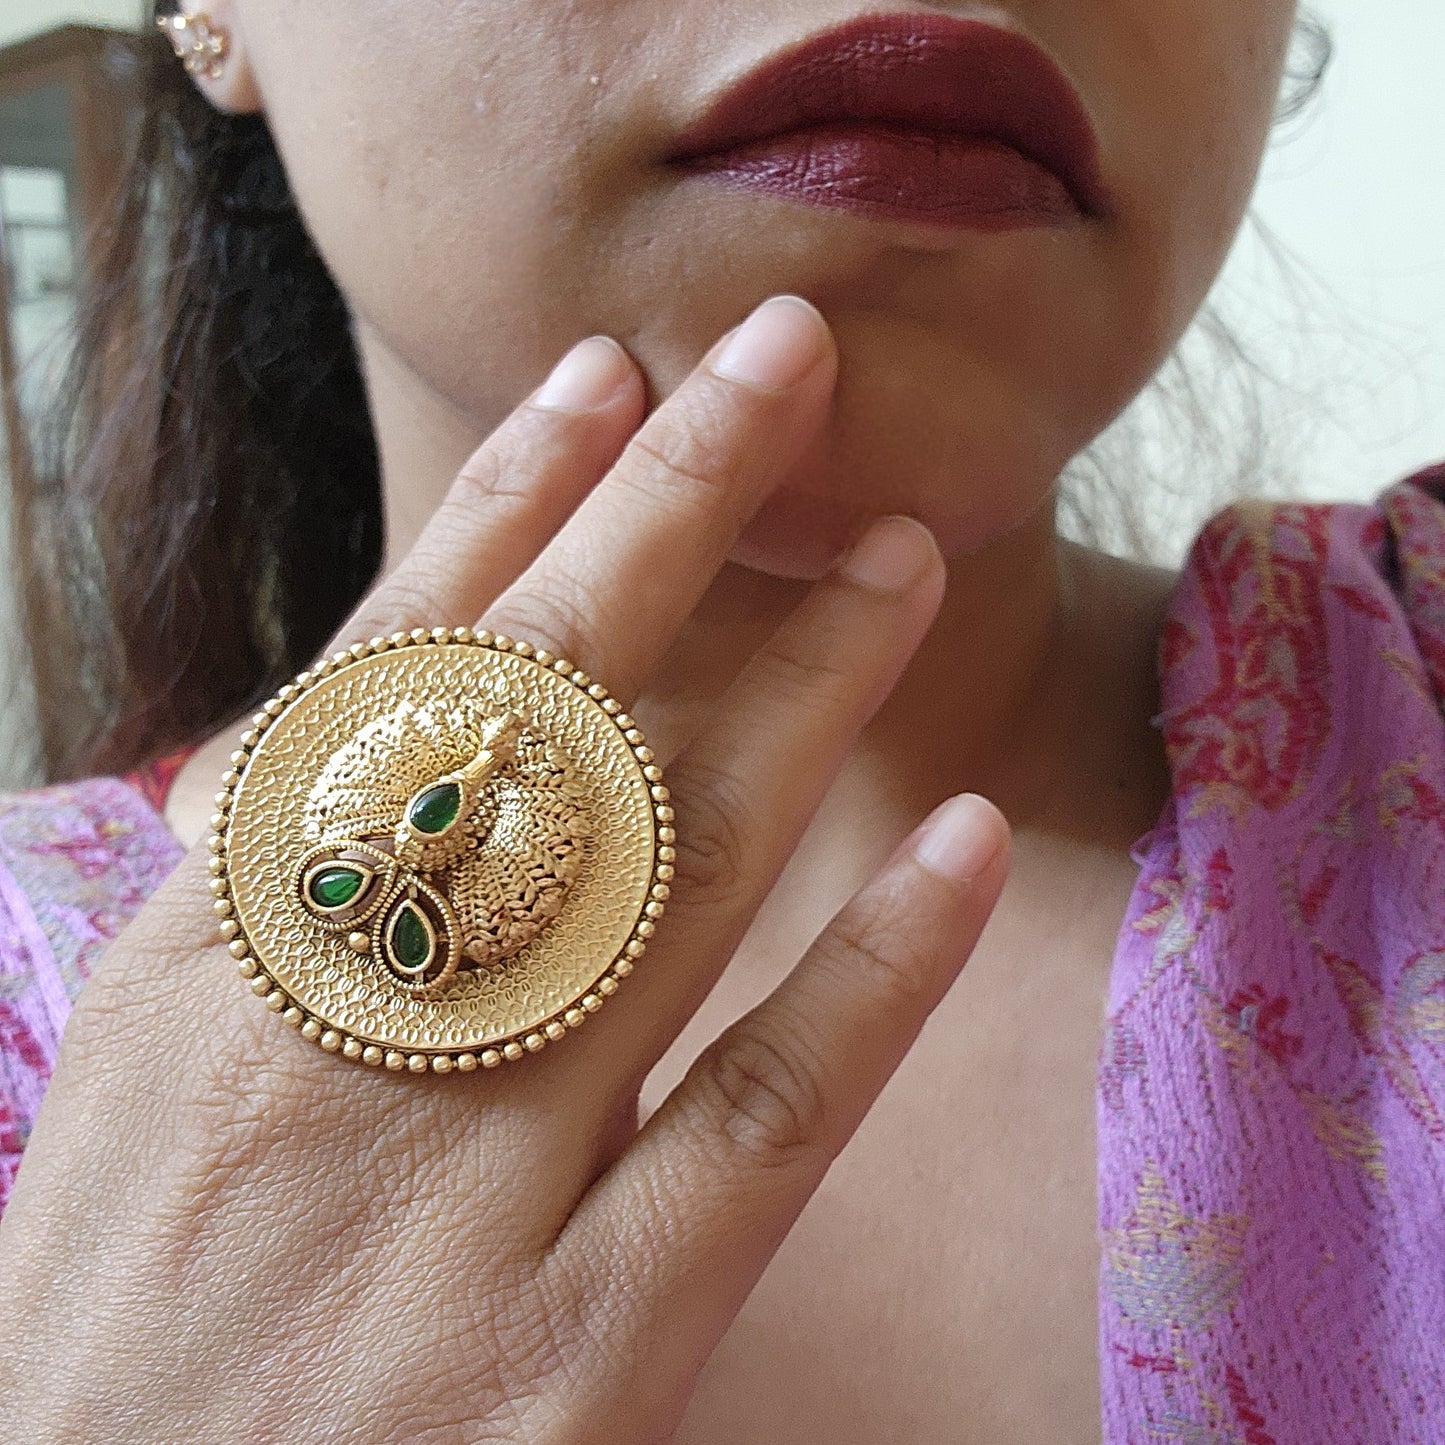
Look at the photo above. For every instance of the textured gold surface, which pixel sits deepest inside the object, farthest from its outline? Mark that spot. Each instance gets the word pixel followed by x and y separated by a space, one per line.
pixel 558 872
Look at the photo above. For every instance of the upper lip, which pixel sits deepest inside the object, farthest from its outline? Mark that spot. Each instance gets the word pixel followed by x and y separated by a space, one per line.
pixel 933 73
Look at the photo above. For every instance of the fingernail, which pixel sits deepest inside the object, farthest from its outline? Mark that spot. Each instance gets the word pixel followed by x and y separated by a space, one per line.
pixel 776 347
pixel 893 553
pixel 588 377
pixel 960 838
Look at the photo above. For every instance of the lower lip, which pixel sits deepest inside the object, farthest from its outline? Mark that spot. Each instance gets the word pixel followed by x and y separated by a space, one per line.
pixel 897 174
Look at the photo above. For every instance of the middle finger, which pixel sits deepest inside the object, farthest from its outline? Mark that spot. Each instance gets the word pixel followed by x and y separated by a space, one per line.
pixel 622 575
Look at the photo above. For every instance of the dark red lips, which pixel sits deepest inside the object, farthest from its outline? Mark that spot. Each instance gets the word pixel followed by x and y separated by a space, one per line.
pixel 917 118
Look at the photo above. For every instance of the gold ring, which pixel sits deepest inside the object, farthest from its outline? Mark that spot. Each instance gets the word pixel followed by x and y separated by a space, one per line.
pixel 440 850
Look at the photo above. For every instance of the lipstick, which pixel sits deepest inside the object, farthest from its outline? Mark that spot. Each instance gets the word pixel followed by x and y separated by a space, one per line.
pixel 922 119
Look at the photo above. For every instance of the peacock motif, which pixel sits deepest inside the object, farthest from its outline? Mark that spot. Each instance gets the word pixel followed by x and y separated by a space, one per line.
pixel 442 839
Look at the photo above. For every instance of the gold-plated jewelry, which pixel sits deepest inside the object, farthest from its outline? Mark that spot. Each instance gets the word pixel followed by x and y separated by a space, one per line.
pixel 440 850
pixel 200 45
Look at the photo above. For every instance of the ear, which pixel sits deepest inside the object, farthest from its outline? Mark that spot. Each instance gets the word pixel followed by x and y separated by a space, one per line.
pixel 208 41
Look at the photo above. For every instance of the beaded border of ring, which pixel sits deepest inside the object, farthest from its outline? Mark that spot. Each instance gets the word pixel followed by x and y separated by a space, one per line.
pixel 549 1030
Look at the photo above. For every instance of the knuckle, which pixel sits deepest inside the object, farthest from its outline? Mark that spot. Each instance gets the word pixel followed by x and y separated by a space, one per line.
pixel 530 1339
pixel 799 670
pixel 560 622
pixel 872 947
pixel 398 605
pixel 504 1370
pixel 686 456
pixel 488 491
pixel 496 476
pixel 712 850
pixel 764 1096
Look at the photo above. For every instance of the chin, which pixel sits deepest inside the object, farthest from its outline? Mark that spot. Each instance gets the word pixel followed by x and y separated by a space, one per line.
pixel 969 484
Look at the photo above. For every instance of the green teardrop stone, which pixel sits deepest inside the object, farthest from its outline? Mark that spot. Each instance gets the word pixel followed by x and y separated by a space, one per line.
pixel 411 940
pixel 336 887
pixel 435 810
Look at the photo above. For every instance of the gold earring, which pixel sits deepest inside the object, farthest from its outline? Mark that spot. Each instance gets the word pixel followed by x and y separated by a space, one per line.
pixel 200 46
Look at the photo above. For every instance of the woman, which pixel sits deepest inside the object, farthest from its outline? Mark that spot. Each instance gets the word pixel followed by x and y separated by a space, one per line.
pixel 817 558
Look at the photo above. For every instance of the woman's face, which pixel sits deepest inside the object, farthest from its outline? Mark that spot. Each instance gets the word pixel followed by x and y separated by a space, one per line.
pixel 489 180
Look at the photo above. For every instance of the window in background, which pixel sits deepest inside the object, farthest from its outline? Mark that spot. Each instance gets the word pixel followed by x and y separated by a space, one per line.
pixel 37 243
pixel 62 135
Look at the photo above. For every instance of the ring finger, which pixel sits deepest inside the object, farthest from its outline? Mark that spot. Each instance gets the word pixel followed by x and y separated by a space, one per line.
pixel 748 785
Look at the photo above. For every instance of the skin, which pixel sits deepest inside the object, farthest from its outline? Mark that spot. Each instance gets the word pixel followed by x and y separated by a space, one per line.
pixel 483 205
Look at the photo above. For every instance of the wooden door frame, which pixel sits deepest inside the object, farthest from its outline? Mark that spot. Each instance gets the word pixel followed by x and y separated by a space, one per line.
pixel 90 64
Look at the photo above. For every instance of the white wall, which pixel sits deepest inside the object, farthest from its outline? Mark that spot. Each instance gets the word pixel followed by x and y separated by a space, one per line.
pixel 19 18
pixel 1355 188
pixel 1336 293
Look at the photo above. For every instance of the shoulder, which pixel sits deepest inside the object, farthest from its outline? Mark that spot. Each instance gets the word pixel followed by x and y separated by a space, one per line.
pixel 1272 1085
pixel 1303 632
pixel 77 861
pixel 82 858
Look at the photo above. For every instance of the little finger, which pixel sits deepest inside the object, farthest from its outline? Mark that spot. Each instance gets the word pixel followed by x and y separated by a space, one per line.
pixel 671 1240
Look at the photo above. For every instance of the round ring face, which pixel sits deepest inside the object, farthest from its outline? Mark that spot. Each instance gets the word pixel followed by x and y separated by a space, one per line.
pixel 440 849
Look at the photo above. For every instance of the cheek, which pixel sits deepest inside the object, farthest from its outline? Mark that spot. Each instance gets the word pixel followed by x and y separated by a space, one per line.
pixel 444 157
pixel 1187 97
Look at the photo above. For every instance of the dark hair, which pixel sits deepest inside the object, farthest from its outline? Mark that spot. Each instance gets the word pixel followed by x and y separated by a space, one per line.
pixel 204 507
pixel 1309 58
pixel 205 502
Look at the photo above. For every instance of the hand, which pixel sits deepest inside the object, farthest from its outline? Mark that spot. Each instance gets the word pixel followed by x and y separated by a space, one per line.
pixel 220 1233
